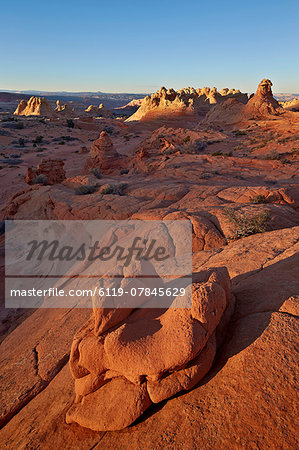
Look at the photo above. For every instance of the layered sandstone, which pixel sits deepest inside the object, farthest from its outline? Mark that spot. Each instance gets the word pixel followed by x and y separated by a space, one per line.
pixel 98 111
pixel 291 105
pixel 123 360
pixel 170 103
pixel 36 106
pixel 262 105
pixel 103 157
pixel 49 171
pixel 64 109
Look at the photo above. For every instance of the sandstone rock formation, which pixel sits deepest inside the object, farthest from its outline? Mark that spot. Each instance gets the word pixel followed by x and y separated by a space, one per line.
pixel 246 400
pixel 65 110
pixel 228 112
pixel 166 142
pixel 262 103
pixel 145 356
pixel 130 108
pixel 21 108
pixel 102 156
pixel 291 105
pixel 36 106
pixel 253 375
pixel 98 111
pixel 188 101
pixel 136 102
pixel 49 171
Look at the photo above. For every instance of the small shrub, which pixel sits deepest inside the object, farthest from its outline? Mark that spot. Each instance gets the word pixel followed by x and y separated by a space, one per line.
pixel 85 189
pixel 246 225
pixel 261 145
pixel 187 139
pixel 109 130
pixel 70 123
pixel 273 156
pixel 9 119
pixel 124 171
pixel 37 140
pixel 215 141
pixel 258 199
pixel 240 132
pixel 96 172
pixel 61 142
pixel 205 176
pixel 219 153
pixel 21 142
pixel 19 126
pixel 40 179
pixel 200 146
pixel 117 189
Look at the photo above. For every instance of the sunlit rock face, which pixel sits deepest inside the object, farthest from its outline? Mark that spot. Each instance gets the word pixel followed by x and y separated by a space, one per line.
pixel 123 360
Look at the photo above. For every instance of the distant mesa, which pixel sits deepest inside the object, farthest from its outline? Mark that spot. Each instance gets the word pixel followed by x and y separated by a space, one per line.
pixel 188 101
pixel 98 111
pixel 36 106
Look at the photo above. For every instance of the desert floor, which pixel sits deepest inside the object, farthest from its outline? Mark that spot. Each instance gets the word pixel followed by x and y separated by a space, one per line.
pixel 247 400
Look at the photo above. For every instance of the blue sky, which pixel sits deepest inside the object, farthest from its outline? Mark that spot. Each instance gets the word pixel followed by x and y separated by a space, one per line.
pixel 138 46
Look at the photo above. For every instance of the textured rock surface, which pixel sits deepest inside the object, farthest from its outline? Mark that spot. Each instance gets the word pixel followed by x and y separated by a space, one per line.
pixel 247 399
pixel 291 105
pixel 262 103
pixel 102 156
pixel 49 171
pixel 222 410
pixel 188 102
pixel 168 350
pixel 98 111
pixel 36 106
pixel 64 110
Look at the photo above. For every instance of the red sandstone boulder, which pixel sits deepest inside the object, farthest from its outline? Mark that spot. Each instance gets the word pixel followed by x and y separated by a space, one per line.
pixel 49 171
pixel 146 356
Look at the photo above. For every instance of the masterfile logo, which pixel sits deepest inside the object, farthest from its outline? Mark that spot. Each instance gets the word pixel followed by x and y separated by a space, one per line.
pixel 102 263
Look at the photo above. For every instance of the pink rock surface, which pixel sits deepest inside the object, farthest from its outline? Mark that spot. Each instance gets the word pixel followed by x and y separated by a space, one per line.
pixel 170 349
pixel 51 170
